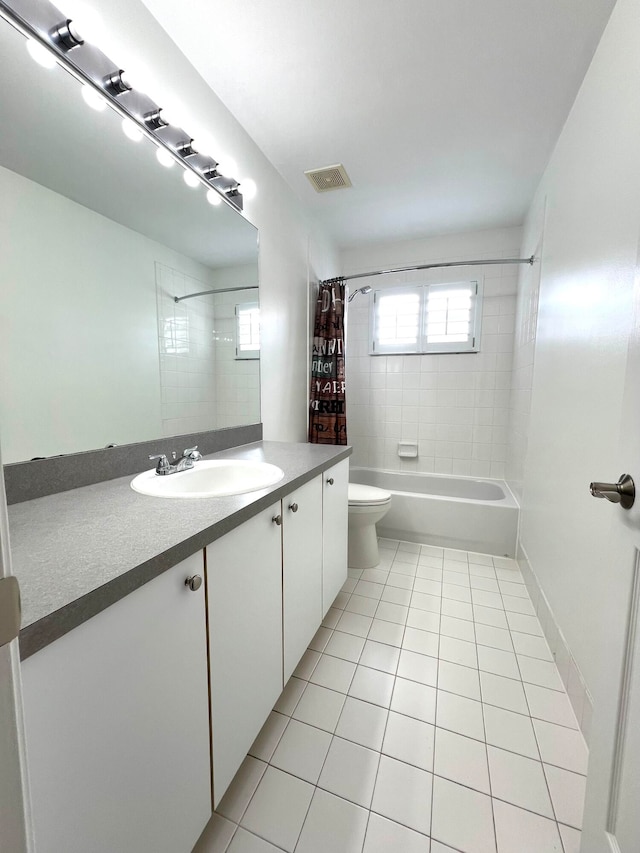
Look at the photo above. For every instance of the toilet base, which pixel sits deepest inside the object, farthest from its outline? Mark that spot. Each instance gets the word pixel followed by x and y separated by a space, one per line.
pixel 363 547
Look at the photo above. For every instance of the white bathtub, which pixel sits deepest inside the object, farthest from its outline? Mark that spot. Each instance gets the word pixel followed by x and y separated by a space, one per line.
pixel 454 512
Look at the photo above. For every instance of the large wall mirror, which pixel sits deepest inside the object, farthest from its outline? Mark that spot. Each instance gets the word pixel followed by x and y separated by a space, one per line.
pixel 96 240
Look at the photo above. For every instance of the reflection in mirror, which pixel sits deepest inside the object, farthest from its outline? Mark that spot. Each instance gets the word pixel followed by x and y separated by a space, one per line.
pixel 97 238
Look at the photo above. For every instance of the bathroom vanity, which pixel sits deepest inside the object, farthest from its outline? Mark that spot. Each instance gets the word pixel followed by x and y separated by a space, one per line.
pixel 138 717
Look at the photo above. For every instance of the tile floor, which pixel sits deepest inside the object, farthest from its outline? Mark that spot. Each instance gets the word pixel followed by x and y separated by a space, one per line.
pixel 427 716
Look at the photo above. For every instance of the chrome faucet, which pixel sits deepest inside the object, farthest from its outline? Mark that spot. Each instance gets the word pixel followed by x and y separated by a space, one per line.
pixel 186 461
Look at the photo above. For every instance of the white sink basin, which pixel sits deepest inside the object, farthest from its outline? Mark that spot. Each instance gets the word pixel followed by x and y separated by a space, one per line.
pixel 209 479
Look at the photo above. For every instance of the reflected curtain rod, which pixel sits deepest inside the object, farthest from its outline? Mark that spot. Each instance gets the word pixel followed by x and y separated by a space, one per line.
pixel 529 261
pixel 220 290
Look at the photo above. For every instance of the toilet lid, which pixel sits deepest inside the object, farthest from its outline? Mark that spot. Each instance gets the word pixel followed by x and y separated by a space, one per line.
pixel 360 495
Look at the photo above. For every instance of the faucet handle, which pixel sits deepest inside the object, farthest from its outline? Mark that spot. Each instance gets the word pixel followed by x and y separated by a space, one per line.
pixel 163 465
pixel 192 453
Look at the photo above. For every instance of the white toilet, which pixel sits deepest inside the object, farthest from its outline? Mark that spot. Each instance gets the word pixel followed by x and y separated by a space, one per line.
pixel 367 506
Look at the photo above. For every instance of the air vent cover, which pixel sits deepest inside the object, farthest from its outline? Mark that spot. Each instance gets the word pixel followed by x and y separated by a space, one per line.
pixel 329 178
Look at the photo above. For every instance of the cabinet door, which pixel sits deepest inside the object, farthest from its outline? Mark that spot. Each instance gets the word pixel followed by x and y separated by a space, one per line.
pixel 244 594
pixel 302 570
pixel 335 521
pixel 117 725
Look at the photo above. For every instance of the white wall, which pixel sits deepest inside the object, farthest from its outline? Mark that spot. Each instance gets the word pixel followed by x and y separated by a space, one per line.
pixel 292 247
pixel 456 406
pixel 591 189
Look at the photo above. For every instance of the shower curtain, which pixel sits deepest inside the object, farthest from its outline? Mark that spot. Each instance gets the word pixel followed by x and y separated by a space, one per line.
pixel 327 412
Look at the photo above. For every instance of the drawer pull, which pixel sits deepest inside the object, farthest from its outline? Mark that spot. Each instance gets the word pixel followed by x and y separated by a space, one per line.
pixel 194 583
pixel 330 481
pixel 277 519
pixel 293 507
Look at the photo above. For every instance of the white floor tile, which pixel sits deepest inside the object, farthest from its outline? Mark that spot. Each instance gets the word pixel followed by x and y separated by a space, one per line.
pixel 332 824
pixel 345 646
pixel 570 838
pixel 403 793
pixel 561 746
pixel 307 664
pixel 496 638
pixel 373 686
pixel 354 623
pixel 436 847
pixel 457 609
pixel 290 696
pixel 540 672
pixel 503 692
pixel 458 679
pixel 518 604
pixel 341 600
pixel 498 662
pixel 423 642
pixel 302 751
pixel 480 559
pixel 482 598
pixel 399 580
pixel 350 584
pixel 534 647
pixel 510 575
pixel 350 771
pixel 409 740
pixel 510 731
pixel 428 586
pixel 384 836
pixel 396 595
pixel 489 584
pixel 476 570
pixel 510 588
pixel 456 593
pixel 402 567
pixel 520 831
pixel 460 714
pixel 414 700
pixel 458 651
pixel 362 605
pixel 320 639
pixel 389 612
pixel 524 624
pixel 380 656
pixel 418 667
pixel 363 723
pixel 334 673
pixel 519 780
pixel 423 620
pixel 368 589
pixel 423 601
pixel 265 744
pixel 216 835
pixel 489 616
pixel 331 618
pixel 461 759
pixel 319 707
pixel 457 579
pixel 386 632
pixel 429 571
pixel 550 705
pixel 567 793
pixel 278 808
pixel 247 842
pixel 374 576
pixel 461 629
pixel 462 817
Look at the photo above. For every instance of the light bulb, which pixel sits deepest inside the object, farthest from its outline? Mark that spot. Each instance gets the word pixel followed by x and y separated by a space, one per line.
pixel 190 178
pixel 227 166
pixel 40 54
pixel 214 198
pixel 131 130
pixel 164 158
pixel 93 98
pixel 88 22
pixel 248 188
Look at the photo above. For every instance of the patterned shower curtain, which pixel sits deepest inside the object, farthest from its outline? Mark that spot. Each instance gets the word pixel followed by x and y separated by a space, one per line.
pixel 327 415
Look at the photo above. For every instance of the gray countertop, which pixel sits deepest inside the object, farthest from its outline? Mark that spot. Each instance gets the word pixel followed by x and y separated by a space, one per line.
pixel 77 552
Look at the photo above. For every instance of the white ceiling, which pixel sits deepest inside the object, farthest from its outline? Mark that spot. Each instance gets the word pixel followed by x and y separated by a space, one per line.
pixel 444 112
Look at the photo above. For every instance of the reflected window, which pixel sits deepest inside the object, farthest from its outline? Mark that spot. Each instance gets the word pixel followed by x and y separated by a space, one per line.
pixel 248 330
pixel 175 340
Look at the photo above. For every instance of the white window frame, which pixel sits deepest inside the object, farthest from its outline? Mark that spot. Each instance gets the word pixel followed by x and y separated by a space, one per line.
pixel 422 345
pixel 254 352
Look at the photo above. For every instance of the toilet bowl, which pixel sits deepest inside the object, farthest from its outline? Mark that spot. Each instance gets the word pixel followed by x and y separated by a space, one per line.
pixel 367 506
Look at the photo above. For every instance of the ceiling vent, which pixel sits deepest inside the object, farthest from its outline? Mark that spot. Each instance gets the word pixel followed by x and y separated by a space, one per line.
pixel 329 178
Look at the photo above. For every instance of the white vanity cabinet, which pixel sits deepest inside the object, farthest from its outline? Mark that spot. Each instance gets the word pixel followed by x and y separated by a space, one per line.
pixel 244 597
pixel 117 727
pixel 301 570
pixel 335 522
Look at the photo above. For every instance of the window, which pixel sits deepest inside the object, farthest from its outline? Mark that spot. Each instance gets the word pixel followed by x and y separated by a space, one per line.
pixel 426 318
pixel 248 330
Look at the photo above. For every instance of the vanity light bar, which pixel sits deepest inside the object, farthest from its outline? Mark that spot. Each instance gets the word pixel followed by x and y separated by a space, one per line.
pixel 41 21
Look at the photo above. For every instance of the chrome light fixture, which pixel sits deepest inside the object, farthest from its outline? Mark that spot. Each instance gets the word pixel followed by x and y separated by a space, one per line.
pixel 106 82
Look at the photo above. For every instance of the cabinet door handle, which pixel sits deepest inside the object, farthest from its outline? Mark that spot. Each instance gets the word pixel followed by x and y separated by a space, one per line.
pixel 293 507
pixel 330 481
pixel 277 519
pixel 194 583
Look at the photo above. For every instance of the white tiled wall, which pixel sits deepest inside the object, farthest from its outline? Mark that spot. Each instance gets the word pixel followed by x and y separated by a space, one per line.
pixel 456 406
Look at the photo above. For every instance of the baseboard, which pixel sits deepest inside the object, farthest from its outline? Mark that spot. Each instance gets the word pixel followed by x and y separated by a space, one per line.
pixel 575 686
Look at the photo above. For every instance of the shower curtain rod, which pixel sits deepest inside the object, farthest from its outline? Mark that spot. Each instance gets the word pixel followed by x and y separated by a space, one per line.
pixel 219 290
pixel 444 264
